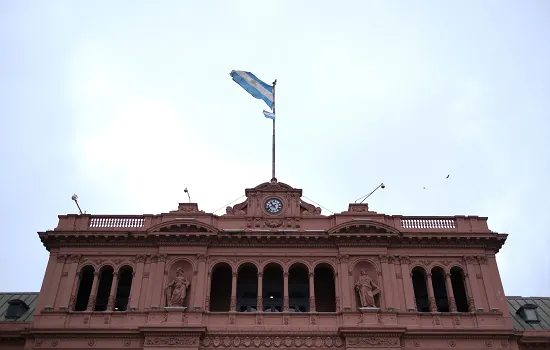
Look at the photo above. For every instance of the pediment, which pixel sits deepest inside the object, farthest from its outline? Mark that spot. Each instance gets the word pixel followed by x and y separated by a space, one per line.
pixel 180 225
pixel 273 186
pixel 363 226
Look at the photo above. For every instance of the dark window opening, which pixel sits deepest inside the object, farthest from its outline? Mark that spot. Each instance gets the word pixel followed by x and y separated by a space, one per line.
pixel 84 288
pixel 123 288
pixel 298 288
pixel 459 289
pixel 247 288
pixel 325 295
pixel 529 313
pixel 16 309
pixel 104 289
pixel 420 289
pixel 220 288
pixel 272 288
pixel 440 290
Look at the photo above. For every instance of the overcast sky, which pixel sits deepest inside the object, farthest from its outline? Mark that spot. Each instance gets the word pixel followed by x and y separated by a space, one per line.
pixel 128 102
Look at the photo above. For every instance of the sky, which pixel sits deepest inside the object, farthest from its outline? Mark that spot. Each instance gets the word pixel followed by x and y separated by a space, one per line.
pixel 126 103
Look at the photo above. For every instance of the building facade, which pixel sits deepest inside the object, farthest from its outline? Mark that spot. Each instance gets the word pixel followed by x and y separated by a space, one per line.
pixel 273 272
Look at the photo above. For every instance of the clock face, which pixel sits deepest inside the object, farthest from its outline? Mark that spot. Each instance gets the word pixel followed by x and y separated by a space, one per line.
pixel 273 206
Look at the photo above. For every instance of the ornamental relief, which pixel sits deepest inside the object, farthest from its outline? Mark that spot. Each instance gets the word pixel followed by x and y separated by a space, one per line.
pixel 373 342
pixel 215 342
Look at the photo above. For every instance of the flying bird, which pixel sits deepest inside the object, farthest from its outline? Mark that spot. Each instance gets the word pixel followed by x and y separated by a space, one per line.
pixel 448 176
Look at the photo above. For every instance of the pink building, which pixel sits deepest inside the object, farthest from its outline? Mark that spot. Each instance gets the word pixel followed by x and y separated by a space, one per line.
pixel 272 272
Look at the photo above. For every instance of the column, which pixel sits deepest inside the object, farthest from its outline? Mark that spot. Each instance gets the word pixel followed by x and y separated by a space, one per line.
pixel 487 279
pixel 345 284
pixel 285 291
pixel 450 292
pixel 431 297
pixel 336 293
pixel 386 281
pixel 76 284
pixel 135 289
pixel 260 299
pixel 201 284
pixel 408 288
pixel 112 294
pixel 208 283
pixel 158 287
pixel 474 299
pixel 93 292
pixel 471 304
pixel 50 270
pixel 71 282
pixel 54 282
pixel 233 303
pixel 311 292
pixel 149 275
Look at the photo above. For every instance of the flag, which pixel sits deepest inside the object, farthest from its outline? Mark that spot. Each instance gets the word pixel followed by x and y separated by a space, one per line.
pixel 269 115
pixel 254 86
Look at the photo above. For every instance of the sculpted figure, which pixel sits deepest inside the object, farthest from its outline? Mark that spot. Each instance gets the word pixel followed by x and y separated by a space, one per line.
pixel 177 289
pixel 367 289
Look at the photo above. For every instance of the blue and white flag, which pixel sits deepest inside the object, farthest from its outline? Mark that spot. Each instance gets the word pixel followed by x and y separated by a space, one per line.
pixel 269 115
pixel 254 86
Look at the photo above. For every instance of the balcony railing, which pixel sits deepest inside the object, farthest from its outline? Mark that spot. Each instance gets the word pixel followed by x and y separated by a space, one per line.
pixel 112 222
pixel 428 223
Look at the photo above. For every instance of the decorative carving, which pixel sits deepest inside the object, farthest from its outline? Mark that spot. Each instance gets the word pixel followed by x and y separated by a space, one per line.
pixel 285 303
pixel 383 259
pixel 74 258
pixel 446 262
pixel 259 319
pixel 467 259
pixel 172 341
pixel 231 319
pixel 478 276
pixel 489 343
pixel 452 343
pixel 416 344
pixel 337 304
pixel 233 304
pixel 55 343
pixel 176 290
pixel 392 259
pixel 201 257
pixel 424 263
pixel 127 343
pixel 344 258
pixel 61 258
pixel 436 320
pixel 482 259
pixel 162 257
pixel 91 302
pixel 456 320
pixel 72 302
pixel 504 343
pixel 398 275
pixel 452 304
pixel 207 303
pixel 237 209
pixel 111 303
pixel 286 320
pixel 311 275
pixel 86 319
pixel 471 305
pixel 91 342
pixel 273 223
pixel 309 209
pixel 404 259
pixel 379 318
pixel 65 274
pixel 364 342
pixel 140 258
pixel 146 274
pixel 367 289
pixel 270 342
pixel 313 320
pixel 106 319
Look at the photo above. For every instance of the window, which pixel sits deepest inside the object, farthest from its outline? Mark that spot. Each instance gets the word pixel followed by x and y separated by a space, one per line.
pixel 529 313
pixel 16 309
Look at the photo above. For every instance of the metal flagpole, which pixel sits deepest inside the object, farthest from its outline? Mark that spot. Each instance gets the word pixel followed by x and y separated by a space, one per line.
pixel 273 143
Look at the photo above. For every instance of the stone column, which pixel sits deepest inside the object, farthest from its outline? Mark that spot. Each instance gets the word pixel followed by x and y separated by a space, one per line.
pixel 158 286
pixel 311 292
pixel 208 284
pixel 260 299
pixel 450 292
pixel 54 282
pixel 492 297
pixel 336 293
pixel 112 293
pixel 233 302
pixel 408 288
pixel 344 282
pixel 474 299
pixel 431 297
pixel 466 281
pixel 150 275
pixel 200 283
pixel 93 292
pixel 387 291
pixel 137 279
pixel 71 282
pixel 76 285
pixel 285 291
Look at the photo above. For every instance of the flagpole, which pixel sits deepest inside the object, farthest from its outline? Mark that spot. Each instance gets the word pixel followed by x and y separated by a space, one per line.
pixel 273 142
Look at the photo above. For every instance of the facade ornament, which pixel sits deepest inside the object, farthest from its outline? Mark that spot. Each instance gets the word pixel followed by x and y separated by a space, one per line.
pixel 433 306
pixel 482 259
pixel 452 343
pixel 233 304
pixel 154 258
pixel 392 259
pixel 424 263
pixel 367 289
pixel 471 305
pixel 344 258
pixel 207 303
pixel 436 320
pixel 311 304
pixel 111 303
pixel 285 274
pixel 369 342
pixel 398 275
pixel 446 262
pixel 456 321
pixel 74 258
pixel 140 258
pixel 273 223
pixel 176 290
pixel 467 259
pixel 61 258
pixel 478 276
pixel 91 302
pixel 259 303
pixel 404 259
pixel 489 343
pixel 285 303
pixel 234 274
pixel 383 259
pixel 452 304
pixel 201 257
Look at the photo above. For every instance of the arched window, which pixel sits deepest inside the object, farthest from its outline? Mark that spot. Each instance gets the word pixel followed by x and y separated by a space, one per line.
pixel 298 288
pixel 440 290
pixel 325 295
pixel 220 288
pixel 125 276
pixel 247 288
pixel 273 288
pixel 459 289
pixel 104 288
pixel 84 288
pixel 420 289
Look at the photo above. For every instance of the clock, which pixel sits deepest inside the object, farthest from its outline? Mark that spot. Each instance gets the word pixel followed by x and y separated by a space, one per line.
pixel 273 206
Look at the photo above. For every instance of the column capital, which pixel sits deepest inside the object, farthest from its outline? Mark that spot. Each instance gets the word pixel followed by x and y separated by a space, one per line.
pixel 260 274
pixel 234 274
pixel 285 274
pixel 311 274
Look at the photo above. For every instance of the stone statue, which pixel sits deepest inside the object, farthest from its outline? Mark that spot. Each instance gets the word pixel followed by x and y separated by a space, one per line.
pixel 367 289
pixel 177 289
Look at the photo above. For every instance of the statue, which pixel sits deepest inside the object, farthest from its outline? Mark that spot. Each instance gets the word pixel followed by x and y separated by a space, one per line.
pixel 367 289
pixel 177 289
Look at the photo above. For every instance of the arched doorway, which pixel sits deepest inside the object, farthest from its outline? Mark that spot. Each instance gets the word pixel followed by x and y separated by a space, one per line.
pixel 298 288
pixel 247 288
pixel 220 288
pixel 325 292
pixel 273 288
